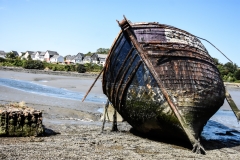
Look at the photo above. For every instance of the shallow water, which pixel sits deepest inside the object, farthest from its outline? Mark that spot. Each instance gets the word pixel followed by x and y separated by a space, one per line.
pixel 222 126
pixel 51 91
pixel 235 94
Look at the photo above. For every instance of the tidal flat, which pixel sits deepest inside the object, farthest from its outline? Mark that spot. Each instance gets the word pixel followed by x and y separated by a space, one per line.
pixel 73 128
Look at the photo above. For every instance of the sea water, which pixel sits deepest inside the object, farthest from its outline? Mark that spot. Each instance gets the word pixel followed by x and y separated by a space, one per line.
pixel 35 88
pixel 222 126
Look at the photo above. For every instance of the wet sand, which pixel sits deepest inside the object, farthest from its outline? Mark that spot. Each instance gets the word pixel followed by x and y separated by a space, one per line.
pixel 80 84
pixel 73 129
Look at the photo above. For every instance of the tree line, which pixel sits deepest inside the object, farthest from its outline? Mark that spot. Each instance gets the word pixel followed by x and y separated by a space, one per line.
pixel 229 71
pixel 99 51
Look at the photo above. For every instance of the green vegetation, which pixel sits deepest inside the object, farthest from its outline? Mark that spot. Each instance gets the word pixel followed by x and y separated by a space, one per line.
pixel 31 64
pixel 2 60
pixel 237 75
pixel 92 67
pixel 102 51
pixel 59 67
pixel 81 68
pixel 11 55
pixel 99 51
pixel 36 64
pixel 229 71
pixel 89 54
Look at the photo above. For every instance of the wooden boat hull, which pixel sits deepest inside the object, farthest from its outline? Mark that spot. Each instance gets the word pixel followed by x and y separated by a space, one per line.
pixel 152 67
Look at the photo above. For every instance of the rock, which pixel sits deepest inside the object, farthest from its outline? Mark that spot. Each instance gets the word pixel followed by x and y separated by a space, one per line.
pixel 20 121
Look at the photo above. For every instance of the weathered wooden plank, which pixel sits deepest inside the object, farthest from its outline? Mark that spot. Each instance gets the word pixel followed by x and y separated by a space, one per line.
pixel 233 106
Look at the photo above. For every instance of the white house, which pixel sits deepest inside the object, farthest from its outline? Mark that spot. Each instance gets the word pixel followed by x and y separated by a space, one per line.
pixel 87 59
pixel 21 53
pixel 94 58
pixel 68 59
pixel 49 54
pixel 78 58
pixel 56 59
pixel 102 58
pixel 74 59
pixel 28 53
pixel 2 54
pixel 39 55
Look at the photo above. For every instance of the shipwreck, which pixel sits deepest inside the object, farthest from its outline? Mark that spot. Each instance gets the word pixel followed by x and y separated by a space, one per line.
pixel 163 81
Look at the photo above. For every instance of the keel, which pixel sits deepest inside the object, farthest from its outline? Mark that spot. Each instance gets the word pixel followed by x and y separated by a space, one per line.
pixel 198 148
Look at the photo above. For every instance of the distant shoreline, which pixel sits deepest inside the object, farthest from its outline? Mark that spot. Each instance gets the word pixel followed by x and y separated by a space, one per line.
pixel 50 72
pixel 75 74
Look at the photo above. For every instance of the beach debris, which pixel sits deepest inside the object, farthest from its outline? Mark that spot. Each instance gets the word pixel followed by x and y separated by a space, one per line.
pixel 19 120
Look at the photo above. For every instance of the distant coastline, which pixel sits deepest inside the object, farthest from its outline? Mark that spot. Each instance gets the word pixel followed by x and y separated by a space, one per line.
pixel 50 72
pixel 74 74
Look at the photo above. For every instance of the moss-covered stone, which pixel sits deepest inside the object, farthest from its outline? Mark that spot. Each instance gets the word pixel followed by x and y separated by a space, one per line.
pixel 20 121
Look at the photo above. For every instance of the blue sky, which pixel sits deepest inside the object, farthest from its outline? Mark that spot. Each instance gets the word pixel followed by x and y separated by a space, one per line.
pixel 72 26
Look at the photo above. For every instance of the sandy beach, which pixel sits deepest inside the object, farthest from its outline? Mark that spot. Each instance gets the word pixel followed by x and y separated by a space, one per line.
pixel 73 128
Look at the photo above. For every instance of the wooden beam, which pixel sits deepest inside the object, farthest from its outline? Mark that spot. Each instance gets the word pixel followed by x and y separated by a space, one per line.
pixel 232 104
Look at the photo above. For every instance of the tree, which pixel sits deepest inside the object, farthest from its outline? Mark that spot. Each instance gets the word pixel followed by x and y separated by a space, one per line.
pixel 88 54
pixel 222 70
pixel 29 57
pixel 81 68
pixel 23 53
pixel 67 68
pixel 216 61
pixel 102 51
pixel 31 64
pixel 2 59
pixel 11 55
pixel 237 74
pixel 230 67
